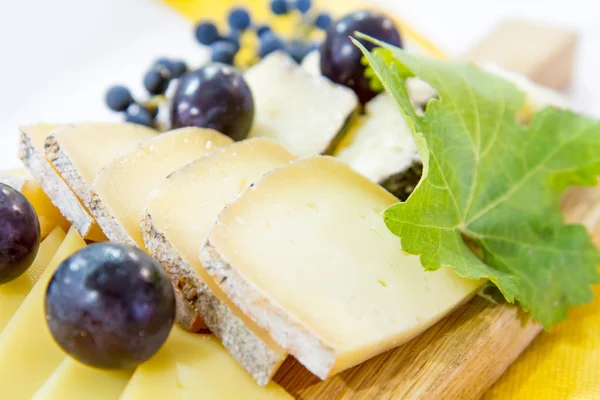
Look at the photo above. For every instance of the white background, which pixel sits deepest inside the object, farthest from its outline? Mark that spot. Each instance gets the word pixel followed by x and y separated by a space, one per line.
pixel 57 57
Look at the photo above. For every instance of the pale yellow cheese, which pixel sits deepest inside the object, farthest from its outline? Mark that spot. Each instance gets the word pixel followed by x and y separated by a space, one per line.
pixel 28 353
pixel 13 293
pixel 183 208
pixel 72 380
pixel 306 254
pixel 49 216
pixel 195 366
pixel 122 187
pixel 80 151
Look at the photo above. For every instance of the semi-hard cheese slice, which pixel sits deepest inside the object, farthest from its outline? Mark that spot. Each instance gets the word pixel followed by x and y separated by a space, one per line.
pixel 179 215
pixel 28 353
pixel 80 151
pixel 13 293
pixel 120 189
pixel 192 366
pixel 72 380
pixel 306 254
pixel 31 152
pixel 306 114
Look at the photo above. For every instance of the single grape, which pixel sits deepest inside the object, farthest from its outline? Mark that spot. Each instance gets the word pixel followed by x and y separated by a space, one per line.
pixel 137 114
pixel 110 306
pixel 179 68
pixel 299 50
pixel 223 52
pixel 232 37
pixel 206 33
pixel 19 234
pixel 118 98
pixel 239 19
pixel 269 43
pixel 261 30
pixel 303 6
pixel 323 21
pixel 279 7
pixel 341 59
pixel 156 81
pixel 215 96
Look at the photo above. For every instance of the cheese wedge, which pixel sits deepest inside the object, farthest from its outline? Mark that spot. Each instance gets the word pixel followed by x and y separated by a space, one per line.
pixel 179 215
pixel 28 353
pixel 193 366
pixel 120 189
pixel 306 114
pixel 72 380
pixel 31 152
pixel 80 151
pixel 13 293
pixel 305 253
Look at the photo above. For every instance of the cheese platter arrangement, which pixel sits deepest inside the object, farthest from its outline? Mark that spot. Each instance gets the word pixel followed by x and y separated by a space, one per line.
pixel 328 208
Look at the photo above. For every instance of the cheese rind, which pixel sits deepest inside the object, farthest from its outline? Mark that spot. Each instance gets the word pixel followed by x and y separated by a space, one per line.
pixel 120 189
pixel 31 152
pixel 306 114
pixel 192 366
pixel 79 152
pixel 28 353
pixel 72 380
pixel 305 253
pixel 180 213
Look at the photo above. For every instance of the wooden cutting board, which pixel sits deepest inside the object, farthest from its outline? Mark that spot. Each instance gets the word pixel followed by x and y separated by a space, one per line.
pixel 464 354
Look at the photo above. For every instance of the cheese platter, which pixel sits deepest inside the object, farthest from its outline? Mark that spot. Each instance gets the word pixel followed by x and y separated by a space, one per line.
pixel 220 241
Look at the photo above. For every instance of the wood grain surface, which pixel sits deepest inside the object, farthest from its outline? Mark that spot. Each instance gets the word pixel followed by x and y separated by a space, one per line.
pixel 464 354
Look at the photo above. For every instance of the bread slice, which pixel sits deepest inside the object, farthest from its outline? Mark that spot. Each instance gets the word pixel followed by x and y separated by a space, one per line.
pixel 179 214
pixel 31 152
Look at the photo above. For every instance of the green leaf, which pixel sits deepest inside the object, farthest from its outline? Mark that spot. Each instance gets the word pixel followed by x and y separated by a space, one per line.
pixel 496 183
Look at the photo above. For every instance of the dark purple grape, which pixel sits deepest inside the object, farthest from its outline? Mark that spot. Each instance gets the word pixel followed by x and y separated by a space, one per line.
pixel 341 59
pixel 19 234
pixel 215 96
pixel 110 306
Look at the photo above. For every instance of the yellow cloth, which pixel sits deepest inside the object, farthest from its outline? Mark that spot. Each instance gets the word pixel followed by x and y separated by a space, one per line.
pixel 563 364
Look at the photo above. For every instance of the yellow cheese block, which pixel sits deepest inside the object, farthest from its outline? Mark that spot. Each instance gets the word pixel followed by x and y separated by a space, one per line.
pixel 13 293
pixel 72 380
pixel 49 216
pixel 195 366
pixel 120 190
pixel 306 254
pixel 28 353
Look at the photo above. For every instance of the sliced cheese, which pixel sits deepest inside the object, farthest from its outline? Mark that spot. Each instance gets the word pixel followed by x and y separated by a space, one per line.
pixel 72 380
pixel 179 215
pixel 80 151
pixel 120 189
pixel 13 293
pixel 193 366
pixel 31 152
pixel 306 114
pixel 28 353
pixel 306 254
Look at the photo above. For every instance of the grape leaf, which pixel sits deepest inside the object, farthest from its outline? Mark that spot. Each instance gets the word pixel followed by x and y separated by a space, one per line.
pixel 495 182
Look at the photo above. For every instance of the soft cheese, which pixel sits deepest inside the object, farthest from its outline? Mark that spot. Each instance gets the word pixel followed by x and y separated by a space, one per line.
pixel 72 380
pixel 306 254
pixel 80 151
pixel 304 113
pixel 31 152
pixel 120 189
pixel 192 366
pixel 13 293
pixel 179 215
pixel 28 353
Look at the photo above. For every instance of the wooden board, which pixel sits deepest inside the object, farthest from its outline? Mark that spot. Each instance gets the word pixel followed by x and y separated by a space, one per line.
pixel 463 355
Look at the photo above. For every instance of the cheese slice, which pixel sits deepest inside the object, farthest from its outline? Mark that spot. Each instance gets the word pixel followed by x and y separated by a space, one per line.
pixel 80 151
pixel 305 253
pixel 28 353
pixel 72 380
pixel 31 152
pixel 179 215
pixel 13 293
pixel 306 114
pixel 193 366
pixel 120 189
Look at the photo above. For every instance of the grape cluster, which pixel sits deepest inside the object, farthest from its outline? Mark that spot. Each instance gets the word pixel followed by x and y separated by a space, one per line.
pixel 156 82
